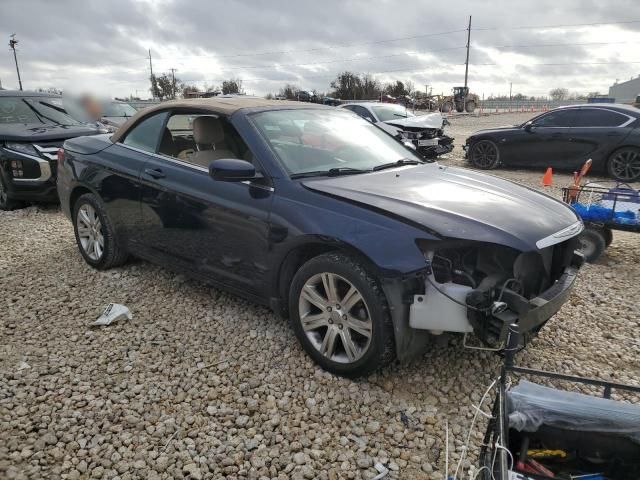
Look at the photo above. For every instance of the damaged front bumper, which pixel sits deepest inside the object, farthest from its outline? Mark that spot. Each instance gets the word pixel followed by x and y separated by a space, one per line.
pixel 449 307
pixel 434 147
pixel 428 143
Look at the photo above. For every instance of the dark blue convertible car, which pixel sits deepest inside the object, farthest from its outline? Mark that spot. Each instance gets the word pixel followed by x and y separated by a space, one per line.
pixel 325 218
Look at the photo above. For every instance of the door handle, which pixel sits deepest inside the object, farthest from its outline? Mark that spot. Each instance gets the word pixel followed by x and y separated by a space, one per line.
pixel 154 173
pixel 556 135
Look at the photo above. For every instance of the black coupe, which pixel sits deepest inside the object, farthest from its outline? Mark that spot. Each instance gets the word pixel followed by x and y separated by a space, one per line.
pixel 564 138
pixel 325 218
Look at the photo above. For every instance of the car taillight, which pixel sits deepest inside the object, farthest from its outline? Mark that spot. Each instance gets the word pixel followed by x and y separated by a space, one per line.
pixel 60 156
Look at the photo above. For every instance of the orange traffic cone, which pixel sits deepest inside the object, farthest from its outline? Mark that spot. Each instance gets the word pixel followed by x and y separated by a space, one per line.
pixel 547 178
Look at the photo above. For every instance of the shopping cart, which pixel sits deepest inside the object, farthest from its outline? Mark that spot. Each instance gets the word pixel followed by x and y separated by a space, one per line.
pixel 603 208
pixel 537 432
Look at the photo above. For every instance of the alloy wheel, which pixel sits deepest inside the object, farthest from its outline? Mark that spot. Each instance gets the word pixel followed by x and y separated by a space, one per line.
pixel 335 317
pixel 90 232
pixel 485 154
pixel 625 165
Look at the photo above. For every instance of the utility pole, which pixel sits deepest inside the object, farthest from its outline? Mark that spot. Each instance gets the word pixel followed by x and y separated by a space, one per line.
pixel 466 63
pixel 173 81
pixel 153 90
pixel 12 43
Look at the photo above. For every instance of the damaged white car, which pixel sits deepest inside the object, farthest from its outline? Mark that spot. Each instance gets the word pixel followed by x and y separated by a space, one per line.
pixel 424 132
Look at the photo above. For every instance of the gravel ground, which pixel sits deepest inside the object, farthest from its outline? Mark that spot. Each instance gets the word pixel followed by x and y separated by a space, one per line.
pixel 201 384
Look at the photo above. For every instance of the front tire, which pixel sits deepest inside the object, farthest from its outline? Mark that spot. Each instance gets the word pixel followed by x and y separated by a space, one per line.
pixel 484 155
pixel 95 235
pixel 447 107
pixel 470 107
pixel 340 315
pixel 624 164
pixel 5 202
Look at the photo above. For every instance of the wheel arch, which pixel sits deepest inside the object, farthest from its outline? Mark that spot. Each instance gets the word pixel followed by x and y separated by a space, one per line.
pixel 301 253
pixel 76 193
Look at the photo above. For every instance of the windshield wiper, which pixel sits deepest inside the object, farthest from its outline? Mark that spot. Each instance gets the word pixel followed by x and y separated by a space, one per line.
pixel 399 163
pixel 332 172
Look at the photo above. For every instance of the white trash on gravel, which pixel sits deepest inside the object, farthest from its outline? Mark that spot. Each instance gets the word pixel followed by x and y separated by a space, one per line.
pixel 113 313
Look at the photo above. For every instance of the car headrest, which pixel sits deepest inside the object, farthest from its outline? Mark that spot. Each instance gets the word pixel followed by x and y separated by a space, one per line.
pixel 207 130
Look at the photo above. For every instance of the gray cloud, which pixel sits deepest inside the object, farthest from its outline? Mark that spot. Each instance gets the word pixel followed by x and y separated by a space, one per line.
pixel 104 44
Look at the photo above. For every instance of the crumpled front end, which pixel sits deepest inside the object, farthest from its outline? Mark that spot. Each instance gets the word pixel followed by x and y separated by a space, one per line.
pixel 428 142
pixel 481 288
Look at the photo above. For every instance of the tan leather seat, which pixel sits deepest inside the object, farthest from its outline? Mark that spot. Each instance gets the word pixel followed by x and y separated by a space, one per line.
pixel 208 134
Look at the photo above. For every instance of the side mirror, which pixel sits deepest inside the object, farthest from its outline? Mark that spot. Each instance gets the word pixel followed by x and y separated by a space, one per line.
pixel 231 170
pixel 528 127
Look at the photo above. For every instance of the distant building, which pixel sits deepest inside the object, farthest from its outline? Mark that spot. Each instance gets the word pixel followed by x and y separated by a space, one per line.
pixel 625 92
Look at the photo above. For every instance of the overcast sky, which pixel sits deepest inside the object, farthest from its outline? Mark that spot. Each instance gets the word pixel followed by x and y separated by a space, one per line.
pixel 102 46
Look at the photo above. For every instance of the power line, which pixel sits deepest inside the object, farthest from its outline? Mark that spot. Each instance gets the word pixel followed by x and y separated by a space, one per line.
pixel 403 70
pixel 572 44
pixel 395 55
pixel 566 25
pixel 389 40
pixel 330 47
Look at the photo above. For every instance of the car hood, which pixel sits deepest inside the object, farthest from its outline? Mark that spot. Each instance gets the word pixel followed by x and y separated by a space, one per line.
pixel 429 120
pixel 43 132
pixel 459 203
pixel 497 130
pixel 115 121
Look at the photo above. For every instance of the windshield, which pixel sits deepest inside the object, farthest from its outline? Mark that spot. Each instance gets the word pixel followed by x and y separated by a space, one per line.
pixel 391 112
pixel 117 109
pixel 34 110
pixel 315 140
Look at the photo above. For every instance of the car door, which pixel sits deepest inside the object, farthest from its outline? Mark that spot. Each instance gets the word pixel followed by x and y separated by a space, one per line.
pixel 596 133
pixel 120 187
pixel 544 142
pixel 214 230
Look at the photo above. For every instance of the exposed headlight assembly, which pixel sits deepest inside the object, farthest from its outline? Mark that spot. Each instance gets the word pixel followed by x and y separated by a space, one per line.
pixel 25 148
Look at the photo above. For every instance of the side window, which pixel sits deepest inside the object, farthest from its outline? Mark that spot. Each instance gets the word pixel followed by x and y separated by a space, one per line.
pixel 596 117
pixel 177 139
pixel 560 118
pixel 199 138
pixel 364 113
pixel 145 135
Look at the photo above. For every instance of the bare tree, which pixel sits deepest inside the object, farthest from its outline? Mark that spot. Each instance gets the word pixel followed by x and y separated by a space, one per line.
pixel 231 86
pixel 371 87
pixel 289 91
pixel 347 85
pixel 559 94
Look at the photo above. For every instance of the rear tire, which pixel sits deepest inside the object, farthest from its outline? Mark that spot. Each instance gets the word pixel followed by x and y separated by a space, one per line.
pixel 340 315
pixel 484 155
pixel 624 164
pixel 95 236
pixel 592 244
pixel 7 203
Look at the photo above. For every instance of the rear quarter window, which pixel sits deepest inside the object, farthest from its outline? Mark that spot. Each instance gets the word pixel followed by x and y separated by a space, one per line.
pixel 595 117
pixel 146 134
